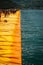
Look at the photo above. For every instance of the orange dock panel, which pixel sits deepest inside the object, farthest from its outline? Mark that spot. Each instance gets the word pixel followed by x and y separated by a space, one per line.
pixel 10 39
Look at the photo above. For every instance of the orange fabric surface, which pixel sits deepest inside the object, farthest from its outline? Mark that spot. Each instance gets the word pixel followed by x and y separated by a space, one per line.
pixel 10 39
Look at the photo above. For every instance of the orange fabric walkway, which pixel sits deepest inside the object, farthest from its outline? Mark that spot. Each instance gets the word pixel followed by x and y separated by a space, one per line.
pixel 10 39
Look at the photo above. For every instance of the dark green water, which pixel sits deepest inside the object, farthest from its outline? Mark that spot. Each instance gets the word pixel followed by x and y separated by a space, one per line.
pixel 32 37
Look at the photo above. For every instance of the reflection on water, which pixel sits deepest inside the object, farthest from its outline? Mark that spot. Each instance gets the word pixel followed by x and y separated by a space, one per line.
pixel 32 37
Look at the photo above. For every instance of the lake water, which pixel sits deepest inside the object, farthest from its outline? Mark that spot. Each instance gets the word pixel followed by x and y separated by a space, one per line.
pixel 32 37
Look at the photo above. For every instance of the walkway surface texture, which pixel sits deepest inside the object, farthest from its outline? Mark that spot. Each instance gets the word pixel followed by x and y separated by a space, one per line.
pixel 10 39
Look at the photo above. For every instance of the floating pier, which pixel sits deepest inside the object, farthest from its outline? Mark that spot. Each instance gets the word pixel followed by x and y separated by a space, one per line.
pixel 10 39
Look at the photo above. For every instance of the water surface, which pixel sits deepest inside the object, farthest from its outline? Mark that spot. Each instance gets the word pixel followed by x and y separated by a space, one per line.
pixel 32 37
